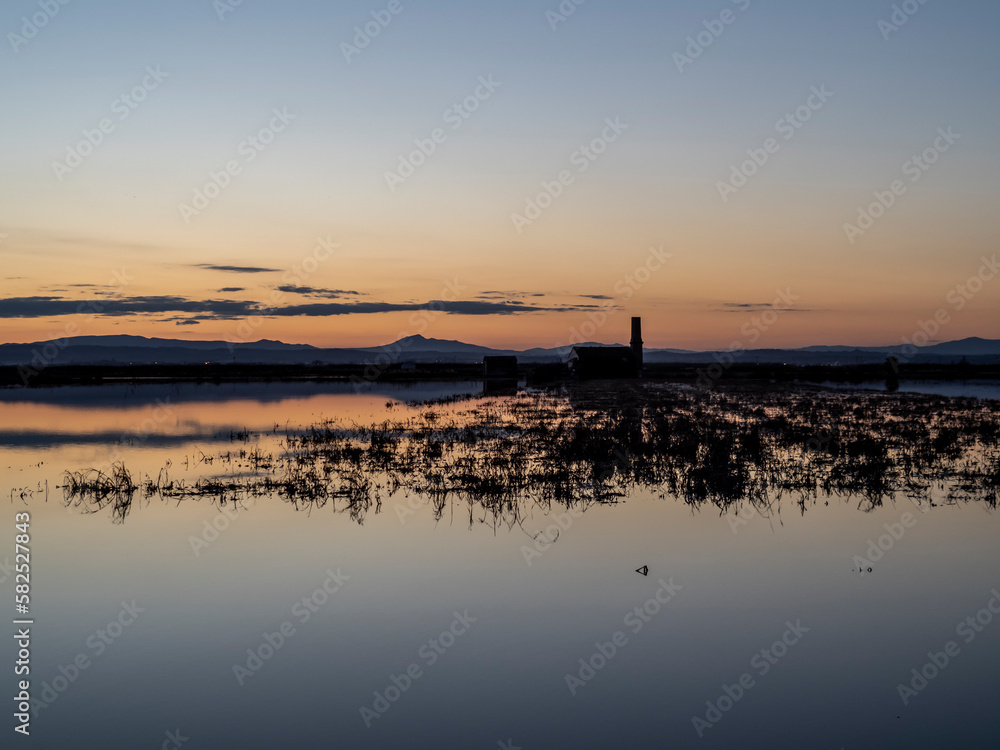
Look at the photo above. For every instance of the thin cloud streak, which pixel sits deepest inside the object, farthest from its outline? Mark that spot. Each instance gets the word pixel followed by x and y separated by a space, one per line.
pixel 236 269
pixel 311 291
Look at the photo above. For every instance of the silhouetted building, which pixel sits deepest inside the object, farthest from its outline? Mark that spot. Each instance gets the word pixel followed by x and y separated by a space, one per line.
pixel 500 368
pixel 608 362
pixel 602 362
pixel 499 376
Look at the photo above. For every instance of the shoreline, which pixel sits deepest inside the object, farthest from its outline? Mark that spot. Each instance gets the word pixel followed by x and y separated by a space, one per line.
pixel 542 374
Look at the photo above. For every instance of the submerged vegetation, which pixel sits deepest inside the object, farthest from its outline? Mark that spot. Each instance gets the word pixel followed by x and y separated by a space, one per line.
pixel 599 442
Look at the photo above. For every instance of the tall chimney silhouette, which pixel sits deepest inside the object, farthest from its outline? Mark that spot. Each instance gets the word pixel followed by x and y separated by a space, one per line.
pixel 637 344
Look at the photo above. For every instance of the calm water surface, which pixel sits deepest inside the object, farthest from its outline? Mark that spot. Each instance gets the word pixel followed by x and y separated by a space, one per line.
pixel 987 389
pixel 465 627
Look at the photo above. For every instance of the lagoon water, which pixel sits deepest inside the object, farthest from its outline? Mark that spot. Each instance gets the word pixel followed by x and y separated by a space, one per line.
pixel 983 389
pixel 465 626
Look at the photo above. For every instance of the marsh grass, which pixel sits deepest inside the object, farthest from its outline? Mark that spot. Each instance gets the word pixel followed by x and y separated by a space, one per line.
pixel 598 442
pixel 93 490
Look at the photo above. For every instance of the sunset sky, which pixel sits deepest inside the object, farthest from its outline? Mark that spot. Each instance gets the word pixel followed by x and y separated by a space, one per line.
pixel 121 223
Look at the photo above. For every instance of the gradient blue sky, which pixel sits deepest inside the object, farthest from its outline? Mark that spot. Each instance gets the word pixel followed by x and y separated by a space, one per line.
pixel 656 186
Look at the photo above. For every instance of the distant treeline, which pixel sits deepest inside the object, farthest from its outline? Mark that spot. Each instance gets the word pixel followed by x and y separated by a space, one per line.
pixel 702 373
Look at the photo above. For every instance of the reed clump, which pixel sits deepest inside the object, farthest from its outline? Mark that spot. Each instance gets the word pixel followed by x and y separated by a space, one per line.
pixel 95 489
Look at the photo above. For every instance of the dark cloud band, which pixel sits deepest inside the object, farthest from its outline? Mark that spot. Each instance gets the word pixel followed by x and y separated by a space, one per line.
pixel 46 307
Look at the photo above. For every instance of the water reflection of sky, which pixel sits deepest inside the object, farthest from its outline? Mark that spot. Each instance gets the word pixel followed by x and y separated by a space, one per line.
pixel 504 678
pixel 173 415
pixel 988 389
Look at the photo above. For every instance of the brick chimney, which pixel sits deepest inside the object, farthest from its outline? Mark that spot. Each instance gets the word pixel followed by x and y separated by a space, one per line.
pixel 637 344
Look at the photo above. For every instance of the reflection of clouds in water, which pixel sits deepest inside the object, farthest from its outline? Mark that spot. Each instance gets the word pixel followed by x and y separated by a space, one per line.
pixel 43 440
pixel 123 396
pixel 177 415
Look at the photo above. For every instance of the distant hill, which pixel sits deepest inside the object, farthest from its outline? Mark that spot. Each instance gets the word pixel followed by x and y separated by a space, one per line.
pixel 969 347
pixel 141 342
pixel 123 349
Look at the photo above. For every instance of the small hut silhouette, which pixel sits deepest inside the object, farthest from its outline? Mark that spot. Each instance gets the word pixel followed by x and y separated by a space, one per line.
pixel 609 362
pixel 499 375
pixel 500 368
